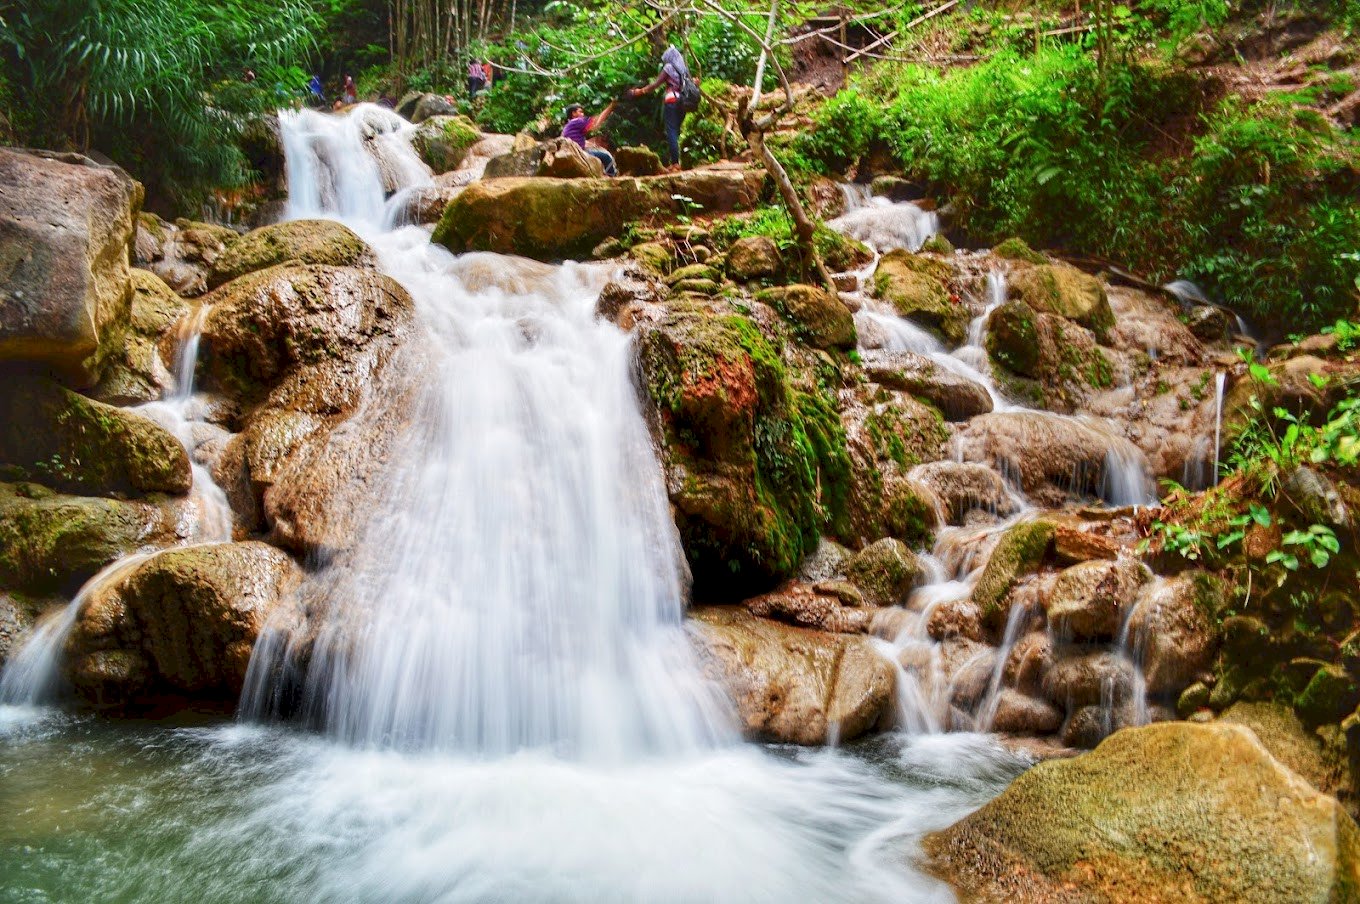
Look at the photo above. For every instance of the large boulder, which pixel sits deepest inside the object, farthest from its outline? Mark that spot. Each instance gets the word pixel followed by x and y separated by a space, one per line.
pixel 1019 551
pixel 822 607
pixel 1046 359
pixel 72 443
pixel 1066 291
pixel 183 622
pixel 818 318
pixel 428 106
pixel 1321 758
pixel 551 219
pixel 305 241
pixel 753 465
pixel 957 397
pixel 1172 812
pixel 444 141
pixel 885 571
pixel 637 161
pixel 963 488
pixel 1089 600
pixel 887 434
pixel 66 227
pixel 134 370
pixel 53 543
pixel 791 684
pixel 1172 630
pixel 565 159
pixel 918 288
pixel 181 253
pixel 754 257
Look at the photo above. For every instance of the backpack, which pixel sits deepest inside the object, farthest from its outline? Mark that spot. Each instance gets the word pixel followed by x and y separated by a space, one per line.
pixel 687 99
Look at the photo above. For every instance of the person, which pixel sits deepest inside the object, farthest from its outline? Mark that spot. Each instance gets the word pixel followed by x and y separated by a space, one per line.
pixel 314 95
pixel 476 78
pixel 487 71
pixel 351 91
pixel 579 126
pixel 672 76
pixel 248 75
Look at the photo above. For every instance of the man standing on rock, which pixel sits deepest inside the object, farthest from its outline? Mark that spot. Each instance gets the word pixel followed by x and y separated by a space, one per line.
pixel 579 126
pixel 674 74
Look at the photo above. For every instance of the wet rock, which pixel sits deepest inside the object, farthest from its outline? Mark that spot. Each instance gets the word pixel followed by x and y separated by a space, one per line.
pixel 958 398
pixel 133 370
pixel 1172 632
pixel 1209 323
pixel 825 562
pixel 918 288
pixel 653 255
pixel 1013 338
pixel 957 618
pixel 565 159
pixel 1087 601
pixel 887 433
pixel 305 241
pixel 1019 551
pixel 426 204
pixel 1329 696
pixel 78 445
pixel 792 684
pixel 66 225
pixel 1017 249
pixel 184 621
pixel 1323 763
pixel 1292 390
pixel 1169 812
pixel 1028 661
pixel 1193 699
pixel 885 571
pixel 1018 713
pixel 1316 498
pixel 897 189
pixel 1066 291
pixel 753 257
pixel 637 161
pixel 808 607
pixel 550 219
pixel 180 253
pixel 1072 544
pixel 442 142
pixel 937 244
pixel 968 667
pixel 629 292
pixel 1080 678
pixel 430 105
pixel 53 543
pixel 963 488
pixel 18 614
pixel 818 318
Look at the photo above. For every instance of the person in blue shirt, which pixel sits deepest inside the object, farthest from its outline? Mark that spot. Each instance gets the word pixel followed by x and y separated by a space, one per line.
pixel 579 125
pixel 315 97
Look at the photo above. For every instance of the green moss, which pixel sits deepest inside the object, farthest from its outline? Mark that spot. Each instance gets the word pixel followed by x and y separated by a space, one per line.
pixel 308 241
pixel 818 318
pixel 1068 292
pixel 1013 339
pixel 1017 249
pixel 1019 550
pixel 938 244
pixel 918 288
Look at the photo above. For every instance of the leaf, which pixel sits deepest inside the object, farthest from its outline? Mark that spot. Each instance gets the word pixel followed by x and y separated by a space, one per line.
pixel 1320 558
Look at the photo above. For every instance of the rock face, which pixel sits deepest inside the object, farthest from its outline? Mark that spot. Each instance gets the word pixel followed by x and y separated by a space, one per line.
pixel 66 227
pixel 792 684
pixel 565 159
pixel 1167 813
pixel 76 444
pixel 957 397
pixel 818 318
pixel 182 622
pixel 133 369
pixel 637 161
pixel 918 288
pixel 887 433
pixel 305 241
pixel 551 219
pixel 181 253
pixel 1065 291
pixel 442 142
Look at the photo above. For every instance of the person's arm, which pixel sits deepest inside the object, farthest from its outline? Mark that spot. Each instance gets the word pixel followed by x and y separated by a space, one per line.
pixel 598 119
pixel 638 92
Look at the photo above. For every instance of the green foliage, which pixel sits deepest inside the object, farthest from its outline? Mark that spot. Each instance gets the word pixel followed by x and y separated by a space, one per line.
pixel 844 127
pixel 1317 545
pixel 1346 332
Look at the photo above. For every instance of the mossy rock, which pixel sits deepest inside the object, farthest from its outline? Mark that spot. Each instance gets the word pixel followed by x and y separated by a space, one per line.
pixel 1319 758
pixel 1019 551
pixel 1329 696
pixel 305 241
pixel 754 257
pixel 637 161
pixel 695 286
pixel 937 244
pixel 818 317
pixel 885 571
pixel 1017 249
pixel 694 271
pixel 131 371
pixel 918 288
pixel 655 256
pixel 51 542
pixel 1172 812
pixel 840 252
pixel 73 443
pixel 1066 291
pixel 443 141
pixel 1013 338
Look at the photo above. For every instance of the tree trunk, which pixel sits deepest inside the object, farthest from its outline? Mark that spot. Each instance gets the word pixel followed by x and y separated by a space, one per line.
pixel 805 230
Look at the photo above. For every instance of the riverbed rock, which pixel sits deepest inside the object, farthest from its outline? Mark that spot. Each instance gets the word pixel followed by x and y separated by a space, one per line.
pixel 753 257
pixel 1019 551
pixel 183 622
pixel 133 370
pixel 810 607
pixel 181 253
pixel 1087 601
pixel 963 488
pixel 1167 813
pixel 443 141
pixel 918 288
pixel 304 241
pixel 1013 338
pixel 1066 291
pixel 1172 630
pixel 429 105
pixel 637 161
pixel 66 227
pixel 75 444
pixel 885 571
pixel 957 397
pixel 818 318
pixel 794 685
pixel 1018 713
pixel 551 219
pixel 50 542
pixel 1081 676
pixel 887 434
pixel 565 159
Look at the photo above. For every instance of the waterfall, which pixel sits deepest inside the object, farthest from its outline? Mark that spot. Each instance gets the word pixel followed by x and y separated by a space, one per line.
pixel 1220 380
pixel 523 585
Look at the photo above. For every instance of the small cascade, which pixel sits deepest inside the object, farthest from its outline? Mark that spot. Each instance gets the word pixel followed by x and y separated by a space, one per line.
pixel 1017 620
pixel 1220 381
pixel 882 224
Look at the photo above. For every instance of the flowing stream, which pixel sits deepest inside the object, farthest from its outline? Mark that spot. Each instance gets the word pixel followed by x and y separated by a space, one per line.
pixel 506 702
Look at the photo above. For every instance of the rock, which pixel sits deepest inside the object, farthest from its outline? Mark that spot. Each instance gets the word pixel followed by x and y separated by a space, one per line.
pixel 565 159
pixel 1209 323
pixel 78 445
pixel 691 272
pixel 1324 766
pixel 885 571
pixel 1292 389
pixel 18 615
pixel 1329 696
pixel 957 618
pixel 637 161
pixel 442 142
pixel 1088 600
pixel 1173 634
pixel 1028 661
pixel 1072 544
pixel 937 244
pixel 957 397
pixel 794 685
pixel 1018 713
pixel 1193 699
pixel 841 252
pixel 431 105
pixel 968 667
pixel 427 203
pixel 1013 338
pixel 696 287
pixel 1080 678
pixel 1019 551
pixel 1170 812
pixel 653 255
pixel 520 162
pixel 963 488
pixel 304 241
pixel 897 189
pixel 918 288
pixel 550 219
pixel 807 607
pixel 754 257
pixel 180 253
pixel 54 543
pixel 1316 498
pixel 182 622
pixel 133 370
pixel 1017 249
pixel 66 226
pixel 887 433
pixel 1066 291
pixel 818 317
